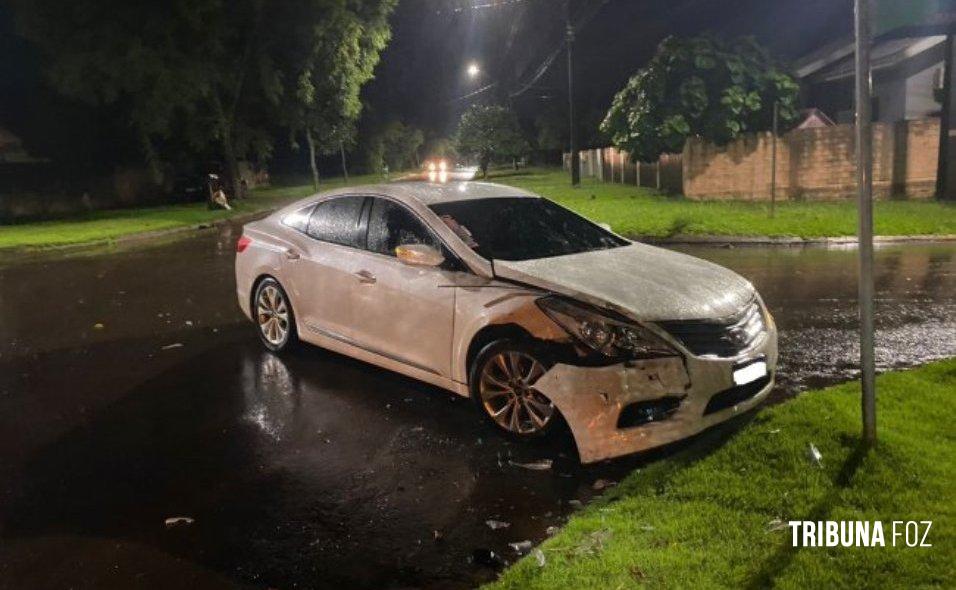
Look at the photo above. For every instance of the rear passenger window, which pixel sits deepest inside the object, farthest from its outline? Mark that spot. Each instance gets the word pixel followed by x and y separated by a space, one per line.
pixel 298 219
pixel 337 221
pixel 391 225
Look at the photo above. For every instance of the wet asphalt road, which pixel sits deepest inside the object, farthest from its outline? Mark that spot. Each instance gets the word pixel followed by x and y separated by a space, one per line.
pixel 311 469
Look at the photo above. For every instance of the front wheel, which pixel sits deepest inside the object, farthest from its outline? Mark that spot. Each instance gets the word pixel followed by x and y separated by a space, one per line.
pixel 502 383
pixel 273 315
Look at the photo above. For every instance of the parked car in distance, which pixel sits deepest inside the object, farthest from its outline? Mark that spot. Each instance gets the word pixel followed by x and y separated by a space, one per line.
pixel 533 311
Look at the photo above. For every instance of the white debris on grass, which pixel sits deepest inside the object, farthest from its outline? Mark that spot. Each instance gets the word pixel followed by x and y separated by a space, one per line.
pixel 815 455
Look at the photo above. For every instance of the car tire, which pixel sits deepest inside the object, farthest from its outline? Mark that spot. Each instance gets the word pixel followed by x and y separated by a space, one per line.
pixel 273 315
pixel 493 387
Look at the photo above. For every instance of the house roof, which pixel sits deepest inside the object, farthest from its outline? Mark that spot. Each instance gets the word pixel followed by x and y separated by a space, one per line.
pixel 835 61
pixel 812 118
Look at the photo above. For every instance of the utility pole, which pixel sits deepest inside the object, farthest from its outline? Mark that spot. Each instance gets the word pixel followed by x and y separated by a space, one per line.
pixel 946 166
pixel 864 176
pixel 575 156
pixel 773 160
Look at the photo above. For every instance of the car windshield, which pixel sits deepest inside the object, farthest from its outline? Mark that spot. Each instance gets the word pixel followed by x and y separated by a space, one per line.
pixel 522 228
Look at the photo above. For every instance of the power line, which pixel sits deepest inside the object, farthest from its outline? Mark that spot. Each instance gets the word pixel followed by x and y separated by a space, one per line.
pixel 584 16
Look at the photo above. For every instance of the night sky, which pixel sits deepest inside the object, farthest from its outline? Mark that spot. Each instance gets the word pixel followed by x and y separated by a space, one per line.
pixel 422 74
pixel 423 70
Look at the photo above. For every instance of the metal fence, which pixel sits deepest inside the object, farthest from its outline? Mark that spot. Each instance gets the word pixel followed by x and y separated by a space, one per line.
pixel 613 165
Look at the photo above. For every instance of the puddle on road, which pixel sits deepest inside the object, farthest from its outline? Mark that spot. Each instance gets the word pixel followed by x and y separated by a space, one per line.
pixel 312 468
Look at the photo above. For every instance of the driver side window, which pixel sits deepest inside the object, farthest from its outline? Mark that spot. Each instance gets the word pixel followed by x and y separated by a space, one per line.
pixel 391 225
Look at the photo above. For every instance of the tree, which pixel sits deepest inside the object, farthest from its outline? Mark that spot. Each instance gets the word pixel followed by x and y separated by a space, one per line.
pixel 329 65
pixel 489 132
pixel 208 74
pixel 440 147
pixel 699 87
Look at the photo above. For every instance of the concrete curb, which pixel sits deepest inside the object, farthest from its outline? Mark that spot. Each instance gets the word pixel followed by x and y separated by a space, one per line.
pixel 787 241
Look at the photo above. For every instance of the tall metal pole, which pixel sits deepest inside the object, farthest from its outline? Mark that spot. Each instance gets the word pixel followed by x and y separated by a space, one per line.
pixel 945 181
pixel 864 176
pixel 773 161
pixel 572 132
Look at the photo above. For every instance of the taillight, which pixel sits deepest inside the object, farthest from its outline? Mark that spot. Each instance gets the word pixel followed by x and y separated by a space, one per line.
pixel 242 244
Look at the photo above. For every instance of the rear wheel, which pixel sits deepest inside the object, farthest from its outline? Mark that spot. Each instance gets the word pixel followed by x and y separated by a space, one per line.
pixel 502 383
pixel 273 315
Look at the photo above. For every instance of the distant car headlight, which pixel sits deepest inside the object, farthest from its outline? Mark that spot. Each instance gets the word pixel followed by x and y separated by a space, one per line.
pixel 431 166
pixel 442 165
pixel 613 338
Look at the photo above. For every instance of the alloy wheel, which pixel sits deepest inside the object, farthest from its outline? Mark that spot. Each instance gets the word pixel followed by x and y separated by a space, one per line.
pixel 272 315
pixel 506 386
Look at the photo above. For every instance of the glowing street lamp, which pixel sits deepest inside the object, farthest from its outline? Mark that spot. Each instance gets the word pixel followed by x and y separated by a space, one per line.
pixel 473 70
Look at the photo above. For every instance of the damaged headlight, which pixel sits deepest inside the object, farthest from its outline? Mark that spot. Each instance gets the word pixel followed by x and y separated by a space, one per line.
pixel 604 334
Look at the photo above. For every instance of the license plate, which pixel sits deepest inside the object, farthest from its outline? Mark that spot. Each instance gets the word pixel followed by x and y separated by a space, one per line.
pixel 750 373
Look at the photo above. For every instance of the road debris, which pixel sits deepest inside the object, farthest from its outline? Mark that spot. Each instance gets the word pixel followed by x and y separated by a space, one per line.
pixel 539 557
pixel 542 465
pixel 172 346
pixel 488 558
pixel 815 455
pixel 551 531
pixel 603 484
pixel 98 326
pixel 497 524
pixel 173 521
pixel 521 547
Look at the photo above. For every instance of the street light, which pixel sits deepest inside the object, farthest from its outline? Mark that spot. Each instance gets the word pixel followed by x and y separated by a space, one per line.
pixel 473 70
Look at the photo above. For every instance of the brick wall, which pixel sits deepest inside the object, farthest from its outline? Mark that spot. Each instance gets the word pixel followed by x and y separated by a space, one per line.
pixel 815 163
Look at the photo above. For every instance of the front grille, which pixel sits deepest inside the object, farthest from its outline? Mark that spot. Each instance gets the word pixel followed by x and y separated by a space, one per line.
pixel 735 395
pixel 648 411
pixel 726 337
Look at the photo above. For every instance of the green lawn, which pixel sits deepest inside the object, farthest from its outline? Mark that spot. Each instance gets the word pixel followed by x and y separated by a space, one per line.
pixel 710 518
pixel 634 211
pixel 99 226
pixel 629 210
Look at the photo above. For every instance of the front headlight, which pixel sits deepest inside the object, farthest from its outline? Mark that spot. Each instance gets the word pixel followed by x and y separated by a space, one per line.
pixel 601 333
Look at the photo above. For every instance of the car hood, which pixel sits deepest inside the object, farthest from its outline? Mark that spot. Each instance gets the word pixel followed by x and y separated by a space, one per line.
pixel 640 281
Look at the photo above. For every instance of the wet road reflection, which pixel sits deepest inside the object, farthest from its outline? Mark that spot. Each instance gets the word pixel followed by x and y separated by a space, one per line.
pixel 312 469
pixel 812 293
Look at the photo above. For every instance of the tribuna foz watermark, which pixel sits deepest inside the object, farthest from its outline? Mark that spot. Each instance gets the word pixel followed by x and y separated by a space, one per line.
pixel 860 533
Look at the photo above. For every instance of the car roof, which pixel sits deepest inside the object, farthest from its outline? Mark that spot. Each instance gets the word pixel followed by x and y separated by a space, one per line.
pixel 431 193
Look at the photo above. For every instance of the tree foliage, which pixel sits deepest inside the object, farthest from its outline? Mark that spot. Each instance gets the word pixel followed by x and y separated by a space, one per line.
pixel 212 76
pixel 489 132
pixel 699 87
pixel 395 144
pixel 329 66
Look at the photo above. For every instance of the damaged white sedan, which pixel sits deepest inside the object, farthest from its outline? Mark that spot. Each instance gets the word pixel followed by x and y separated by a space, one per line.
pixel 508 298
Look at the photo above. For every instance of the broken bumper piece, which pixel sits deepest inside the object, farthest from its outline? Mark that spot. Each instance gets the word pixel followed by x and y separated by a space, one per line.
pixel 642 404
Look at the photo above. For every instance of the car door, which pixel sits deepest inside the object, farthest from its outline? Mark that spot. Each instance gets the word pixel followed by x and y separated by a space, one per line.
pixel 403 312
pixel 322 265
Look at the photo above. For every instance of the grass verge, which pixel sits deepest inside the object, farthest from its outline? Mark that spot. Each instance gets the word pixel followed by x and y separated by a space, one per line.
pixel 630 210
pixel 100 226
pixel 695 521
pixel 635 211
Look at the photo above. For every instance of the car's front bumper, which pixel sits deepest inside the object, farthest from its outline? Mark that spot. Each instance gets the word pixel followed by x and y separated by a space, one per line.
pixel 591 399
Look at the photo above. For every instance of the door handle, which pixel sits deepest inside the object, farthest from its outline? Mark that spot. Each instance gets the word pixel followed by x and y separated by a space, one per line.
pixel 365 277
pixel 292 255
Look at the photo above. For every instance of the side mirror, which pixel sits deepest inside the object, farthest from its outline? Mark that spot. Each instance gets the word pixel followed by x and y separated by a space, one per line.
pixel 419 255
